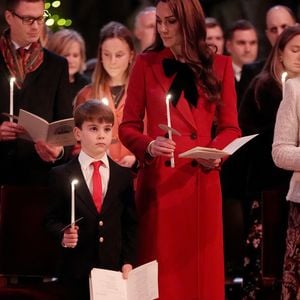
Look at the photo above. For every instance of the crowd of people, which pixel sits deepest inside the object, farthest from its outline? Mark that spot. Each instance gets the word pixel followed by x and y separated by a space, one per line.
pixel 174 82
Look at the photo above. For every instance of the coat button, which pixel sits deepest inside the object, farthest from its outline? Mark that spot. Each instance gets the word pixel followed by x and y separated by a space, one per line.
pixel 194 136
pixel 100 223
pixel 101 240
pixel 168 163
pixel 194 163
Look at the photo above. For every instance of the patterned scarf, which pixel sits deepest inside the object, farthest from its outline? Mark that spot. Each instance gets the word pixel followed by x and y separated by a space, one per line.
pixel 18 65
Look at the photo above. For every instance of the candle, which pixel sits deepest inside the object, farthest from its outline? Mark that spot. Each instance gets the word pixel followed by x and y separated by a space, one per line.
pixel 73 183
pixel 11 98
pixel 168 98
pixel 283 78
pixel 105 101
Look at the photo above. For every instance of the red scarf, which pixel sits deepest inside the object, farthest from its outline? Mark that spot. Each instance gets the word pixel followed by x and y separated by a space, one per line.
pixel 20 66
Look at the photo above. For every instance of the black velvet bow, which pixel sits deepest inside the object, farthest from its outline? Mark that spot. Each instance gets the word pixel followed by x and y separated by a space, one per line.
pixel 183 81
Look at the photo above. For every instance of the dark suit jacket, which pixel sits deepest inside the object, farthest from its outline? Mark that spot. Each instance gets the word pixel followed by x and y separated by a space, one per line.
pixel 249 71
pixel 116 223
pixel 257 114
pixel 46 93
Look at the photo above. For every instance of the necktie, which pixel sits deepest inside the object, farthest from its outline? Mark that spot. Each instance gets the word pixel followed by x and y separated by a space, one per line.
pixel 22 52
pixel 97 185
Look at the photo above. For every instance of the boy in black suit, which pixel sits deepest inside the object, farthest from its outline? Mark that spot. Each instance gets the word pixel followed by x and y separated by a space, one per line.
pixel 106 236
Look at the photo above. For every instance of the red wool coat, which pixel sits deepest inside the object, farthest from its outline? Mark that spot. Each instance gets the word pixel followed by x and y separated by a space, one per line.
pixel 180 209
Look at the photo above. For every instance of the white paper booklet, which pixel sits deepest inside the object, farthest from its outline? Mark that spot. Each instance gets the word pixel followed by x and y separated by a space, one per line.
pixel 212 153
pixel 142 284
pixel 58 133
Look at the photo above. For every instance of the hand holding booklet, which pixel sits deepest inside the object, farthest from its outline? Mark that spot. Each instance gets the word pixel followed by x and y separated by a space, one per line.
pixel 142 284
pixel 58 133
pixel 212 153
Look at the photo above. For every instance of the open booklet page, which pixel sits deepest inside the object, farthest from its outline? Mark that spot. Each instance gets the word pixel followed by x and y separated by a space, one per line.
pixel 212 153
pixel 57 133
pixel 142 284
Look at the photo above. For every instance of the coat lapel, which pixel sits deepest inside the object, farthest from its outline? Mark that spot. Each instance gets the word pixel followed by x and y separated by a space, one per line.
pixel 110 188
pixel 165 82
pixel 82 191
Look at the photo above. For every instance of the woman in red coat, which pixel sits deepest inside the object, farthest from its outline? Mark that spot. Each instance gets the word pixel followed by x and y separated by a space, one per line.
pixel 180 213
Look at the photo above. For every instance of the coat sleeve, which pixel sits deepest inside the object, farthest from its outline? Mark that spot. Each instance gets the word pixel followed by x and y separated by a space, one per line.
pixel 285 150
pixel 226 116
pixel 132 127
pixel 63 98
pixel 55 218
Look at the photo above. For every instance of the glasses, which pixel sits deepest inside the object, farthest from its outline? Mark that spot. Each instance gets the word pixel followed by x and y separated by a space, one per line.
pixel 27 20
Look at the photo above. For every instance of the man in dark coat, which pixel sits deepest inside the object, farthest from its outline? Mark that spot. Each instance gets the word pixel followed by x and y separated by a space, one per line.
pixel 41 87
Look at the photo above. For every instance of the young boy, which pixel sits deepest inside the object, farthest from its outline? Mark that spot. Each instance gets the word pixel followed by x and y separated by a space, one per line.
pixel 105 237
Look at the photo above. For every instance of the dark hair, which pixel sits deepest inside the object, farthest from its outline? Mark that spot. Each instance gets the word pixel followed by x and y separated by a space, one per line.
pixel 12 4
pixel 273 67
pixel 212 22
pixel 92 110
pixel 195 52
pixel 239 25
pixel 108 31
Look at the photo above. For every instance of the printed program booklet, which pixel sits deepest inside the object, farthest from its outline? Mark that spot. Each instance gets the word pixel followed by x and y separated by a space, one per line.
pixel 213 153
pixel 142 284
pixel 58 133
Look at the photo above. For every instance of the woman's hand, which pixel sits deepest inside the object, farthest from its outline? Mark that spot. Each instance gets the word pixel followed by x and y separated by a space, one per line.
pixel 9 131
pixel 47 152
pixel 162 146
pixel 127 161
pixel 209 164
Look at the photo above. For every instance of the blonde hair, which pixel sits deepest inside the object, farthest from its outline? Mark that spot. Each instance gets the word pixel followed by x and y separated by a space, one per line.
pixel 60 41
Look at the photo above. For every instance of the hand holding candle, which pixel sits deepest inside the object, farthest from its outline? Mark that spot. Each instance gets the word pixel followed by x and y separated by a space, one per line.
pixel 11 98
pixel 73 183
pixel 168 98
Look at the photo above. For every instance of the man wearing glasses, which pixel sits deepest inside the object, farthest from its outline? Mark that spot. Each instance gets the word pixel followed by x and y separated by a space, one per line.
pixel 41 87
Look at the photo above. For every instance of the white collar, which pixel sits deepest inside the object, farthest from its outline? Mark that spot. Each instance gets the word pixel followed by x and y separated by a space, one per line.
pixel 86 160
pixel 17 46
pixel 237 71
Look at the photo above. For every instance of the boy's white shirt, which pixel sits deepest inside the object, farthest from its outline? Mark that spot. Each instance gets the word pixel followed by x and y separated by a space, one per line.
pixel 87 170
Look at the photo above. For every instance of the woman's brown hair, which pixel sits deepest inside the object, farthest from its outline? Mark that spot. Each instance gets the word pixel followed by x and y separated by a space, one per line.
pixel 274 67
pixel 195 52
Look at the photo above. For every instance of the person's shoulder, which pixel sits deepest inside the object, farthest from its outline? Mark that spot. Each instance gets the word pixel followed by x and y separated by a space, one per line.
pixel 253 68
pixel 221 63
pixel 83 95
pixel 65 167
pixel 151 56
pixel 82 79
pixel 53 57
pixel 221 60
pixel 117 169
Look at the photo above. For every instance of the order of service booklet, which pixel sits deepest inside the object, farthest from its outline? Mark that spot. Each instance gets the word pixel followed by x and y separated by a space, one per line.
pixel 213 153
pixel 142 284
pixel 59 133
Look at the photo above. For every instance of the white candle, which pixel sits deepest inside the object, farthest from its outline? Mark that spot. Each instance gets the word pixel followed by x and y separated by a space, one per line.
pixel 11 98
pixel 105 101
pixel 283 79
pixel 73 183
pixel 168 98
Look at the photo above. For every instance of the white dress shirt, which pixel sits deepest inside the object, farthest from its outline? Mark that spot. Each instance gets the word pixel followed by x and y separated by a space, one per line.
pixel 237 72
pixel 87 170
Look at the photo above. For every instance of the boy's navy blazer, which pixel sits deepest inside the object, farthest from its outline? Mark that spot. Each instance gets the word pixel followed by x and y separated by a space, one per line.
pixel 106 239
